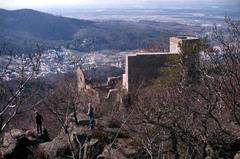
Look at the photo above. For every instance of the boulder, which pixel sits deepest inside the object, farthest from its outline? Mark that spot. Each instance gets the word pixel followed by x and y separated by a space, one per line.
pixel 127 147
pixel 89 144
pixel 16 144
pixel 10 141
pixel 83 122
pixel 81 117
pixel 109 153
pixel 92 149
pixel 237 156
pixel 21 144
pixel 9 137
pixel 122 148
pixel 56 148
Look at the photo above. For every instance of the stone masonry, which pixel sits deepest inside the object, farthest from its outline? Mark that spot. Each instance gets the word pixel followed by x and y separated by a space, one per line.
pixel 142 67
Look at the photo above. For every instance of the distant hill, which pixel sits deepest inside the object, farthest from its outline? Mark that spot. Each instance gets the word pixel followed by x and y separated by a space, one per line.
pixel 41 25
pixel 22 29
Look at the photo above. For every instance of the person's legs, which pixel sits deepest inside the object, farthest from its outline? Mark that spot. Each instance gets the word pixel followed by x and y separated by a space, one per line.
pixel 90 122
pixel 40 126
pixel 38 129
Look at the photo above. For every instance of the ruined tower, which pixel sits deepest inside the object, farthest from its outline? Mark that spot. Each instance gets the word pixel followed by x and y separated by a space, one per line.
pixel 143 67
pixel 176 41
pixel 80 80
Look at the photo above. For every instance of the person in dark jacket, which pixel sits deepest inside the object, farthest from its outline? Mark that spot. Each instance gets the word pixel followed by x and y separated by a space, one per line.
pixel 39 120
pixel 90 116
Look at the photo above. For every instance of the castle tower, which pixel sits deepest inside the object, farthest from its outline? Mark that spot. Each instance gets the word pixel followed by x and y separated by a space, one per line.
pixel 175 41
pixel 143 67
pixel 80 79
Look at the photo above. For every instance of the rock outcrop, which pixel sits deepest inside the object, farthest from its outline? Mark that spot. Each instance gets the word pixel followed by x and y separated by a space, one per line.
pixel 19 144
pixel 102 142
pixel 106 141
pixel 237 155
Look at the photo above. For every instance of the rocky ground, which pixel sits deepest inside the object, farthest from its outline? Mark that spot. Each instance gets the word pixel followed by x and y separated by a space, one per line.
pixel 106 140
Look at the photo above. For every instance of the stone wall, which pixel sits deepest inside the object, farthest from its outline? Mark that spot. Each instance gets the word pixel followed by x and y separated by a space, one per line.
pixel 143 67
pixel 175 41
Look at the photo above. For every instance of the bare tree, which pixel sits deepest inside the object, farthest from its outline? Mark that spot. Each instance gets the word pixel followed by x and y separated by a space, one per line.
pixel 13 96
pixel 193 111
pixel 65 102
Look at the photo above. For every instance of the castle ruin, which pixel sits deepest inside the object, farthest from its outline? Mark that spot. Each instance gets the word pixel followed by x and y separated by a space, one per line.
pixel 142 67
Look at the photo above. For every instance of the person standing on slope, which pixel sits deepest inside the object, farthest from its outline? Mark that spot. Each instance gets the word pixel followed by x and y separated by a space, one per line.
pixel 90 116
pixel 39 120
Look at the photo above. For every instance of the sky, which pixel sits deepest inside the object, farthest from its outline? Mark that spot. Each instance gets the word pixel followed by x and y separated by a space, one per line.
pixel 17 4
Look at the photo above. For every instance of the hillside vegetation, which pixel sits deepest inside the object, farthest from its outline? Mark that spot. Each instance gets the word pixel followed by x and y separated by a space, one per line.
pixel 24 28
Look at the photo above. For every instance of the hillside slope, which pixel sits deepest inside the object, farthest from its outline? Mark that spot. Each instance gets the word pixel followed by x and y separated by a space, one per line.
pixel 22 29
pixel 40 25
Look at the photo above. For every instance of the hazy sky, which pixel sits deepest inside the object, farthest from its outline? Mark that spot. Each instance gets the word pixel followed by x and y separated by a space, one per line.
pixel 14 4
